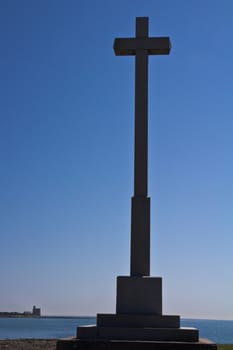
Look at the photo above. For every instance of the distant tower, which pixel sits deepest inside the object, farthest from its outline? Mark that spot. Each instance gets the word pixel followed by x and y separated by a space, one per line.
pixel 36 311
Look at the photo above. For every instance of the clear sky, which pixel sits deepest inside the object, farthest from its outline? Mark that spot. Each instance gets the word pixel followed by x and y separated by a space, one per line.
pixel 66 154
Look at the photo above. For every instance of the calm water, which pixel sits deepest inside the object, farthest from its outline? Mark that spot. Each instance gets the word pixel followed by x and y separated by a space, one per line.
pixel 218 331
pixel 14 328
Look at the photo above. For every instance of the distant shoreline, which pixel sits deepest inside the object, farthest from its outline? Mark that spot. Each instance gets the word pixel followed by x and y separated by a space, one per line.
pixel 50 316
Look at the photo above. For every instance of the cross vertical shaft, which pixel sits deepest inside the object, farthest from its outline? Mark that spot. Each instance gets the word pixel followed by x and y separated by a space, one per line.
pixel 140 210
pixel 141 113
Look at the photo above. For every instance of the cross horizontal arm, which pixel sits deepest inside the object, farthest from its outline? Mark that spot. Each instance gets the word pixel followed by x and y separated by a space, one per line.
pixel 153 46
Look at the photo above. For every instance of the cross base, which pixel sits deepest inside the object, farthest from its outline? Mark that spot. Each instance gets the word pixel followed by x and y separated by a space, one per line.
pixel 138 333
pixel 139 295
pixel 74 343
pixel 138 321
pixel 138 316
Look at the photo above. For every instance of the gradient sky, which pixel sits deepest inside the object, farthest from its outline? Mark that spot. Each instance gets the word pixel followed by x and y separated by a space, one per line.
pixel 66 154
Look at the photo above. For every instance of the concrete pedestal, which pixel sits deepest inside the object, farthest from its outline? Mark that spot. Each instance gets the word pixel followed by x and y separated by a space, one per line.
pixel 138 321
pixel 139 295
pixel 137 324
pixel 138 333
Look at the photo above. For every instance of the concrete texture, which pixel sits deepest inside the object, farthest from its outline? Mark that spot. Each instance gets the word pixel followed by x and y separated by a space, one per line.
pixel 137 321
pixel 139 295
pixel 140 237
pixel 146 333
pixel 129 46
pixel 141 111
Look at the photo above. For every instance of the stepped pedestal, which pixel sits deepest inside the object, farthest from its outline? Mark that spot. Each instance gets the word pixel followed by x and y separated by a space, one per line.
pixel 138 315
pixel 138 323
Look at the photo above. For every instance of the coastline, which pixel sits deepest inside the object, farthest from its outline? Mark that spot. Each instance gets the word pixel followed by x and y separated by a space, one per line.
pixel 40 329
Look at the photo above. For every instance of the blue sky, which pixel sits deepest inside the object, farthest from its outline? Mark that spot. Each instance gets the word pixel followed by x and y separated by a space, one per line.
pixel 66 154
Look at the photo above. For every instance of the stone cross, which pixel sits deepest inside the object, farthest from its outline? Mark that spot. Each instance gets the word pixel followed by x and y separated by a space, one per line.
pixel 141 47
pixel 139 322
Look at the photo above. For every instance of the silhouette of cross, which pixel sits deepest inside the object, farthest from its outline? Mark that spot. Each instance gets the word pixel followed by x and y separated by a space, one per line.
pixel 141 47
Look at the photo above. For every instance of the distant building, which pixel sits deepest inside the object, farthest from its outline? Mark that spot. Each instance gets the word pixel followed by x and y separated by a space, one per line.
pixel 27 313
pixel 36 311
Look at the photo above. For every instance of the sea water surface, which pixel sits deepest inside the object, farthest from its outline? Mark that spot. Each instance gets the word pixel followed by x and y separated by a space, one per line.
pixel 220 332
pixel 42 327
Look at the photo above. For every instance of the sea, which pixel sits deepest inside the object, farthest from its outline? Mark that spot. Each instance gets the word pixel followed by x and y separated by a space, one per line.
pixel 220 332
